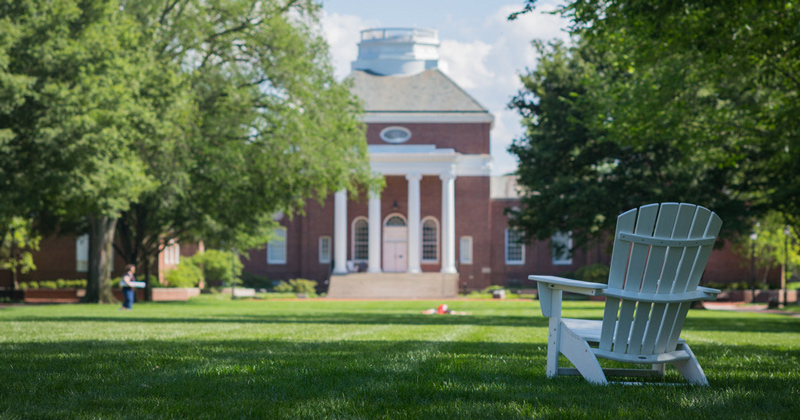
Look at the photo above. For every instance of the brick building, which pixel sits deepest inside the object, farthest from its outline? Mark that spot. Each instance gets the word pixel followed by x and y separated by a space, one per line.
pixel 440 219
pixel 438 226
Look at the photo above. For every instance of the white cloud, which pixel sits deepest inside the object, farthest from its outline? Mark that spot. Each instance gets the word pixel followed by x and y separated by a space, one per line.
pixel 466 63
pixel 486 60
pixel 343 32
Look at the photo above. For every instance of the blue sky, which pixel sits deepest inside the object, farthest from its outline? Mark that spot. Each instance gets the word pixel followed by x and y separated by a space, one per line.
pixel 480 49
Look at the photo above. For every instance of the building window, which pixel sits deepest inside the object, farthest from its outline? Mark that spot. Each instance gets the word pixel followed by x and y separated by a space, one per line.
pixel 430 240
pixel 172 253
pixel 515 249
pixel 324 249
pixel 561 245
pixel 395 221
pixel 82 253
pixel 465 250
pixel 360 239
pixel 395 134
pixel 276 248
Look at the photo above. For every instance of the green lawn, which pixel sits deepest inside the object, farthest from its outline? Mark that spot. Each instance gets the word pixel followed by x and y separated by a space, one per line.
pixel 213 358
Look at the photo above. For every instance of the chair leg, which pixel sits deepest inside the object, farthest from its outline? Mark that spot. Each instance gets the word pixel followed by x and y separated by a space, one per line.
pixel 553 346
pixel 690 368
pixel 578 352
pixel 661 368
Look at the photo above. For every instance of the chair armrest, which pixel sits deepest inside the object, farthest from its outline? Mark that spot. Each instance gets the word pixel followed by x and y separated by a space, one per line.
pixel 710 293
pixel 550 288
pixel 569 285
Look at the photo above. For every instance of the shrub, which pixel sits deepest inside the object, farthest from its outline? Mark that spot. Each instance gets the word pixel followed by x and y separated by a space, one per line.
pixel 23 286
pixel 307 287
pixel 187 274
pixel 255 281
pixel 283 287
pixel 596 273
pixel 216 266
pixel 61 283
pixel 492 288
pixel 48 284
pixel 33 285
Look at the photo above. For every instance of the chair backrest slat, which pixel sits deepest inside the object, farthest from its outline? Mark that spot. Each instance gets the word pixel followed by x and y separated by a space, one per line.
pixel 710 227
pixel 672 262
pixel 645 223
pixel 674 315
pixel 655 264
pixel 626 222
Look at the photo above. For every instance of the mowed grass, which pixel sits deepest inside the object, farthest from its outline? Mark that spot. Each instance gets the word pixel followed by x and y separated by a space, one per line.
pixel 213 358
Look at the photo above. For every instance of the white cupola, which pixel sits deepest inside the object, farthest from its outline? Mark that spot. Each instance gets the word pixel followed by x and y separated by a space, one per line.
pixel 397 51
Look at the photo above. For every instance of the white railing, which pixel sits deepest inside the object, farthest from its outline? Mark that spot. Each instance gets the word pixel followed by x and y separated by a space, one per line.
pixel 399 34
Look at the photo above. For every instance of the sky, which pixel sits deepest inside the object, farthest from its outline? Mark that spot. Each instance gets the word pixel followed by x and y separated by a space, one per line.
pixel 479 48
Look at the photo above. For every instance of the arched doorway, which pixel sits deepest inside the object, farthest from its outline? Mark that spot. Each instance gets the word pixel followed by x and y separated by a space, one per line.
pixel 395 244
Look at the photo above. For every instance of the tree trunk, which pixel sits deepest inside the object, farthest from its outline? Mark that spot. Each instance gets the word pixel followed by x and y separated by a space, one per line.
pixel 14 262
pixel 101 238
pixel 148 291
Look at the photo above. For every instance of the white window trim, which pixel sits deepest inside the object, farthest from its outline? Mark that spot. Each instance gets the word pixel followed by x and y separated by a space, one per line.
pixel 422 243
pixel 172 253
pixel 274 261
pixel 353 241
pixel 82 254
pixel 323 258
pixel 461 258
pixel 566 261
pixel 395 141
pixel 520 262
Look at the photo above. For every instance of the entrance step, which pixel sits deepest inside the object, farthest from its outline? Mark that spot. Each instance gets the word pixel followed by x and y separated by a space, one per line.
pixel 393 286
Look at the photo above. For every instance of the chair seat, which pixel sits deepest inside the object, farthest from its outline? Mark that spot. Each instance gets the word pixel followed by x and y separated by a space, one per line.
pixel 589 330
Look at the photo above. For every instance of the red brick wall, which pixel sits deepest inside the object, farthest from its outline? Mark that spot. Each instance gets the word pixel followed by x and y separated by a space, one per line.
pixel 467 138
pixel 538 256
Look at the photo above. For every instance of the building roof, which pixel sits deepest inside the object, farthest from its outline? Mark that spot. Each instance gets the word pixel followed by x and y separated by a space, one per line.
pixel 430 91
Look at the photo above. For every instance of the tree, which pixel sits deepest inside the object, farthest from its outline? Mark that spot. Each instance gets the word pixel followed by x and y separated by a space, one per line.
pixel 270 128
pixel 17 240
pixel 771 247
pixel 68 135
pixel 180 119
pixel 699 93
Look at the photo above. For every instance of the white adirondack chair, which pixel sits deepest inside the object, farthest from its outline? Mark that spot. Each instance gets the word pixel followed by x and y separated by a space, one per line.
pixel 660 252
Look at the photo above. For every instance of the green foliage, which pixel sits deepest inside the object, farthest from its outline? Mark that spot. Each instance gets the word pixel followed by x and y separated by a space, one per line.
pixel 597 273
pixel 48 284
pixel 187 274
pixel 492 288
pixel 659 101
pixel 307 287
pixel 772 247
pixel 17 242
pixel 255 281
pixel 218 267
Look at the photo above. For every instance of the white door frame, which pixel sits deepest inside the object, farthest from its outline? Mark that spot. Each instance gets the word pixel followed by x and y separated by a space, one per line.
pixel 395 245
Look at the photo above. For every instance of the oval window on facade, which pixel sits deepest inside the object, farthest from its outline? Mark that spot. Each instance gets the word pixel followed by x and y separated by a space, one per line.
pixel 395 134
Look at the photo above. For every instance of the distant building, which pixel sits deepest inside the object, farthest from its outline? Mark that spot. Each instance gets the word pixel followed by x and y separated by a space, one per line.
pixel 438 227
pixel 441 211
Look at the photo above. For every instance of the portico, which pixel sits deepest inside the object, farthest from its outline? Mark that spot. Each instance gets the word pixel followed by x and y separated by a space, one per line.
pixel 413 163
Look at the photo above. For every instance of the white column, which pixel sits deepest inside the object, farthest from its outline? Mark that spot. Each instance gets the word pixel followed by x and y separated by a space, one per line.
pixel 374 232
pixel 448 222
pixel 340 233
pixel 413 223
